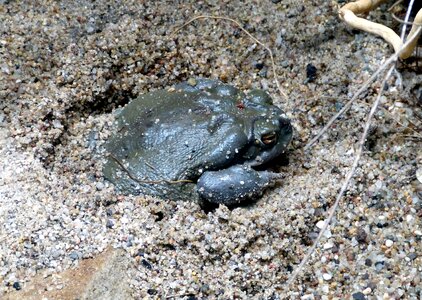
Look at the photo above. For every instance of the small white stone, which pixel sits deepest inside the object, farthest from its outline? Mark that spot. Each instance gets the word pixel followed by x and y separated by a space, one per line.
pixel 100 186
pixel 367 291
pixel 320 224
pixel 419 174
pixel 328 234
pixel 409 218
pixel 418 232
pixel 389 243
pixel 327 276
pixel 57 124
pixel 328 245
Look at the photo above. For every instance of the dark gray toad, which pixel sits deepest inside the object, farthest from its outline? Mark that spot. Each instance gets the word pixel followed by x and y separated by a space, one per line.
pixel 200 141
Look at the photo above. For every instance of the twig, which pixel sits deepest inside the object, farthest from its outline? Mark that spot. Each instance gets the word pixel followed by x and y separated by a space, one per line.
pixel 346 107
pixel 406 19
pixel 394 5
pixel 400 20
pixel 348 14
pixel 345 183
pixel 402 125
pixel 276 79
pixel 350 102
pixel 391 116
pixel 416 137
pixel 355 162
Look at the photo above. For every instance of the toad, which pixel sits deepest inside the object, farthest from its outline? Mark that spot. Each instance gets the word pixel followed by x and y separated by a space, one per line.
pixel 202 140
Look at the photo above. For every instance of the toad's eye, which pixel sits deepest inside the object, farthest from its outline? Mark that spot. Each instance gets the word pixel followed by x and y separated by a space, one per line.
pixel 269 139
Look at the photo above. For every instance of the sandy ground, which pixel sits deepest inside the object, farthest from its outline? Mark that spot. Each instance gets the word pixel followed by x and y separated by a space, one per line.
pixel 64 67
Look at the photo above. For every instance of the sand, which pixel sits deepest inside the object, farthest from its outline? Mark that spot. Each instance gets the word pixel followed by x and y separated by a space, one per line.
pixel 66 66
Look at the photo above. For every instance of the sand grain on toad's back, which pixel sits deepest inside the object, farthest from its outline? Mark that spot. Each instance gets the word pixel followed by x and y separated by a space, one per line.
pixel 73 63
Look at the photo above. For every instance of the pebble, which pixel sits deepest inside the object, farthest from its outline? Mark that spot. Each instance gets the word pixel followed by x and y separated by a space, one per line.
pixel 361 235
pixel 100 186
pixel 75 255
pixel 325 289
pixel 327 276
pixel 109 223
pixel 379 265
pixel 69 65
pixel 146 264
pixel 389 243
pixel 285 63
pixel 359 296
pixel 311 72
pixel 17 286
pixel 419 174
pixel 412 256
pixel 320 224
pixel 368 262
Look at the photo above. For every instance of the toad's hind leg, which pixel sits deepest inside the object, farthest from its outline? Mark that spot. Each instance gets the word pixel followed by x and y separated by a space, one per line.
pixel 235 184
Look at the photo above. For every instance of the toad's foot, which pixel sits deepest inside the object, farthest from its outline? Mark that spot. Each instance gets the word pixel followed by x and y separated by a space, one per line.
pixel 235 184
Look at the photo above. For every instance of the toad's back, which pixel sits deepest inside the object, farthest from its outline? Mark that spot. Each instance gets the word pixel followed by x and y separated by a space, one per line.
pixel 176 135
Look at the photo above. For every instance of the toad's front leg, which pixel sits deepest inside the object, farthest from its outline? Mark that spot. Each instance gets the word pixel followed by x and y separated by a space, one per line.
pixel 235 184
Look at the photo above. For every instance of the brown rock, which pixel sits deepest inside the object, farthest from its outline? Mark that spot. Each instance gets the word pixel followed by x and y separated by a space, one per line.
pixel 102 277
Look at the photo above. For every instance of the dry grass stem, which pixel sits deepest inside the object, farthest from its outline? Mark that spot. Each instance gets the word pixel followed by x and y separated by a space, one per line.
pixel 345 183
pixel 346 107
pixel 402 50
pixel 401 124
pixel 276 79
pixel 394 5
pixel 417 133
pixel 414 36
pixel 406 19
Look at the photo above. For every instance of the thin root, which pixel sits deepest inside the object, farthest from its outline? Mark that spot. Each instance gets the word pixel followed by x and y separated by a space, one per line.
pixel 276 79
pixel 346 107
pixel 359 151
pixel 348 14
pixel 345 183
